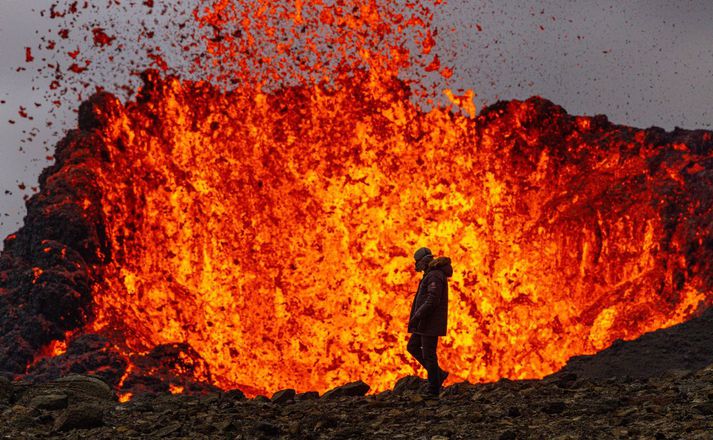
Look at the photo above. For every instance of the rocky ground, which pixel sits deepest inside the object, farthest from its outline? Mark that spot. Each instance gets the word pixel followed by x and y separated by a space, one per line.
pixel 676 405
pixel 686 346
pixel 659 386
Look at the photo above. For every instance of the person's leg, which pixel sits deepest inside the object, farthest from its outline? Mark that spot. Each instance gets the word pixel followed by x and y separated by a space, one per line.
pixel 430 358
pixel 414 348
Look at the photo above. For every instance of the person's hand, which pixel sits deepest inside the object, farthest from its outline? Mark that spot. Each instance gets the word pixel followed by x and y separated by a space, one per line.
pixel 413 322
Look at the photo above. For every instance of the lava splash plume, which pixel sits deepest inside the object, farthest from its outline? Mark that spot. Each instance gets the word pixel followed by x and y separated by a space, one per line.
pixel 271 234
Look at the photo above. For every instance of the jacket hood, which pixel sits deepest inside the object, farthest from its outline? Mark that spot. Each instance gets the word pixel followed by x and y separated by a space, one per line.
pixel 443 264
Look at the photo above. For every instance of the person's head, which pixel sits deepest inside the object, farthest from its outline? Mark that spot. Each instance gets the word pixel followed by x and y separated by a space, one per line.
pixel 422 257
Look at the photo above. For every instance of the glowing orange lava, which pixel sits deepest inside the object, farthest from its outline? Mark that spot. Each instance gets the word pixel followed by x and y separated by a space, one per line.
pixel 271 226
pixel 274 232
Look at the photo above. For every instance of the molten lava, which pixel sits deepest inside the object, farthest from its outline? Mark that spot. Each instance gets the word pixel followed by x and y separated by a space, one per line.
pixel 273 232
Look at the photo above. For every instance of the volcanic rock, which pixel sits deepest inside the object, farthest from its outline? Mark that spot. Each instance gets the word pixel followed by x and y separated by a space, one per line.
pixel 6 390
pixel 508 435
pixel 167 430
pixel 67 391
pixel 19 417
pixel 308 395
pixel 554 407
pixel 85 353
pixel 283 396
pixel 234 394
pixel 677 350
pixel 82 416
pixel 351 389
pixel 638 408
pixel 49 401
pixel 267 428
pixel 85 386
pixel 93 112
pixel 409 383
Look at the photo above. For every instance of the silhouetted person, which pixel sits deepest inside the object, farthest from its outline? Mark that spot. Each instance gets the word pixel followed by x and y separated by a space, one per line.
pixel 429 315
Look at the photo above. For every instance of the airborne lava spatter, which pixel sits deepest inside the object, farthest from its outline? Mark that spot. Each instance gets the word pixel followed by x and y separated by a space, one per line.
pixel 264 43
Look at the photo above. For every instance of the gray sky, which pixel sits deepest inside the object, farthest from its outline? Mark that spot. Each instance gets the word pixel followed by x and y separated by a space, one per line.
pixel 641 63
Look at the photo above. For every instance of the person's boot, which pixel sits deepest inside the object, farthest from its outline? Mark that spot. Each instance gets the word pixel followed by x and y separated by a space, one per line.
pixel 442 377
pixel 435 394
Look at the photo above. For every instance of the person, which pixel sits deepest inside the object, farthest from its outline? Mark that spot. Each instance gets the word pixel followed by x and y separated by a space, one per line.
pixel 429 315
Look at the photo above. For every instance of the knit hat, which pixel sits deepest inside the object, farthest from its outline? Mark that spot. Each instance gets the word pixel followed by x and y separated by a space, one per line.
pixel 422 252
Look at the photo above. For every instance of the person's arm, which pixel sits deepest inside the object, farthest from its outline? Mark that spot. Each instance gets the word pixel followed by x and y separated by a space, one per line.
pixel 433 296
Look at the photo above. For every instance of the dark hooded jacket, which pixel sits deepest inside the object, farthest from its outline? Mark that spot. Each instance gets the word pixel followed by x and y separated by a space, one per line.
pixel 429 311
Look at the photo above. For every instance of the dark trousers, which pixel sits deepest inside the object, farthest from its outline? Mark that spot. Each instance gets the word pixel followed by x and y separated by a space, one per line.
pixel 423 348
